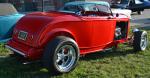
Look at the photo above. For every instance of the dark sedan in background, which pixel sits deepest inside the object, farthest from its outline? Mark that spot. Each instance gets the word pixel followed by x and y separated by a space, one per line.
pixel 134 5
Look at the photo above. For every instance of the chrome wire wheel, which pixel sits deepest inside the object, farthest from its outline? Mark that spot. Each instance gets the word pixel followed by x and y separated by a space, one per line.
pixel 65 58
pixel 61 55
pixel 144 41
pixel 140 41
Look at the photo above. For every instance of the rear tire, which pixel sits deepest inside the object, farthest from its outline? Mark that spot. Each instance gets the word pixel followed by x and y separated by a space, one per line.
pixel 140 41
pixel 61 55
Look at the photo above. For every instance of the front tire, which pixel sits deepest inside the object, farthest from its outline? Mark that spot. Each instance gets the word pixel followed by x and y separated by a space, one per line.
pixel 140 41
pixel 61 55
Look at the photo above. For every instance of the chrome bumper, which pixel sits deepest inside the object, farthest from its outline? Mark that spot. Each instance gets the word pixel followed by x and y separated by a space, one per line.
pixel 17 51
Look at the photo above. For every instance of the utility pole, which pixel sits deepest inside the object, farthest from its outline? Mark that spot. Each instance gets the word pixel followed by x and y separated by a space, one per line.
pixel 42 5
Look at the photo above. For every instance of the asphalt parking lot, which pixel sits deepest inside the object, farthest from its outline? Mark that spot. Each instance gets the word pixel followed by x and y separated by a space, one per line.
pixel 141 20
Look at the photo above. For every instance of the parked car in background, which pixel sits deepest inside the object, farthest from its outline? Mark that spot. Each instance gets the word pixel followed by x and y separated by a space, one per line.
pixel 134 5
pixel 8 18
pixel 122 11
pixel 58 38
pixel 146 3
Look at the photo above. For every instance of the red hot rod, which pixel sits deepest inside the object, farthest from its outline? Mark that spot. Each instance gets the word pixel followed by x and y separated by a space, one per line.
pixel 59 37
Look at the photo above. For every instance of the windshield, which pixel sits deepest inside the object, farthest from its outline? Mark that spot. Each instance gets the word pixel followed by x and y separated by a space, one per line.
pixel 85 7
pixel 71 8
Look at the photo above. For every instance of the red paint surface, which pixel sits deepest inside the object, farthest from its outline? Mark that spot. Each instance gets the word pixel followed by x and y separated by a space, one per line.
pixel 91 33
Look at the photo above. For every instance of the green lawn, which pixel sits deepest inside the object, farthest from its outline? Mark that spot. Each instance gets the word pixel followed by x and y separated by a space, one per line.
pixel 123 63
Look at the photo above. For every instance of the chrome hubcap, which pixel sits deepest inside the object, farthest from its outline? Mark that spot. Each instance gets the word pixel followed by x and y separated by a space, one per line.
pixel 143 42
pixel 65 58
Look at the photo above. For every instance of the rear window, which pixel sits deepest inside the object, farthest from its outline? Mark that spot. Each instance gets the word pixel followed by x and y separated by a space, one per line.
pixel 7 9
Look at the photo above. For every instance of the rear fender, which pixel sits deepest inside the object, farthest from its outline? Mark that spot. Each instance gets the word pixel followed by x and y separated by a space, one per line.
pixel 54 33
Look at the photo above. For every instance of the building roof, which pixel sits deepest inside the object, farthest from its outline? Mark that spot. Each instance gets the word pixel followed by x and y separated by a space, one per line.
pixel 88 2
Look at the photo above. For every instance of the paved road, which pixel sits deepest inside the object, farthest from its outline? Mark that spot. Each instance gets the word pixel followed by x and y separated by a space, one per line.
pixel 141 20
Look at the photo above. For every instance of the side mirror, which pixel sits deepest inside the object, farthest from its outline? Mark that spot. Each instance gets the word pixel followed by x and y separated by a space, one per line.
pixel 117 15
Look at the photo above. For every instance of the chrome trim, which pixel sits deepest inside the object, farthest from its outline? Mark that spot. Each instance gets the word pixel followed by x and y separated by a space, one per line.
pixel 17 51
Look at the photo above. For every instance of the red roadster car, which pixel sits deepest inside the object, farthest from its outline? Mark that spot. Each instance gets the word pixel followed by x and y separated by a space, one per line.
pixel 59 37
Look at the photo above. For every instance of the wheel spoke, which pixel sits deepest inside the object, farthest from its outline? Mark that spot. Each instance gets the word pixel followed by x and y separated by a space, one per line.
pixel 58 60
pixel 63 62
pixel 63 50
pixel 143 44
pixel 143 41
pixel 59 57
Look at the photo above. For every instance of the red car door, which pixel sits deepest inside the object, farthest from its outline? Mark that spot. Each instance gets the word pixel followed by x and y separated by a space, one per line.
pixel 103 30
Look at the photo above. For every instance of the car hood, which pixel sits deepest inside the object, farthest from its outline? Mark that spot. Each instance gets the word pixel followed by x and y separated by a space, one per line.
pixel 7 24
pixel 33 24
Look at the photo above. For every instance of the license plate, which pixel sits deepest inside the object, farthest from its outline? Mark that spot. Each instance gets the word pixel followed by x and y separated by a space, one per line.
pixel 22 35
